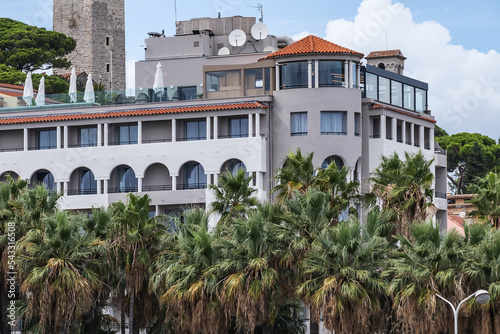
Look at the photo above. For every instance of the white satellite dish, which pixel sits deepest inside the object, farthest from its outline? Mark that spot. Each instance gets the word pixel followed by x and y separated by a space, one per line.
pixel 259 31
pixel 224 51
pixel 269 49
pixel 462 214
pixel 237 37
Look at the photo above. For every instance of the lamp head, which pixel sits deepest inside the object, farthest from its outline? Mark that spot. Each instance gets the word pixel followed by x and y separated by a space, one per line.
pixel 482 296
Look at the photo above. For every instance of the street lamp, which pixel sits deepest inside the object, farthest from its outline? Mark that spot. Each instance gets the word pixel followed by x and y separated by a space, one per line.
pixel 481 296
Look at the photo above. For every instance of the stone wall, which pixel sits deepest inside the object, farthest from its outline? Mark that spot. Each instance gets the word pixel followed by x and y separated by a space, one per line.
pixel 98 26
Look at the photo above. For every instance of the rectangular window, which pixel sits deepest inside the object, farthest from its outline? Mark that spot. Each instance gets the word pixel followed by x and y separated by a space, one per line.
pixel 354 70
pixel 254 82
pixel 238 127
pixel 333 123
pixel 388 128
pixel 185 93
pixel 195 130
pixel 371 86
pixel 384 90
pixel 107 68
pixel 357 123
pixel 420 99
pixel 375 127
pixel 267 79
pixel 196 44
pixel 416 135
pixel 331 73
pixel 223 80
pixel 126 134
pixel 396 93
pixel 87 137
pixel 409 97
pixel 293 75
pixel 107 40
pixel 298 124
pixel 399 130
pixel 46 139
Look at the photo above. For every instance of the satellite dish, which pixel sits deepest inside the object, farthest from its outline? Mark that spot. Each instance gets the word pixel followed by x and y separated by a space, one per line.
pixel 259 31
pixel 237 37
pixel 269 49
pixel 224 51
pixel 462 214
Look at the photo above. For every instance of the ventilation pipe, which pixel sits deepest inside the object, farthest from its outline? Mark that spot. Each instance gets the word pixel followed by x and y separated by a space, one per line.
pixel 284 41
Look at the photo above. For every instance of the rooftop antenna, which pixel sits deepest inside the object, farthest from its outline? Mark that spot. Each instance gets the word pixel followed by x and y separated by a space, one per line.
pixel 259 8
pixel 175 9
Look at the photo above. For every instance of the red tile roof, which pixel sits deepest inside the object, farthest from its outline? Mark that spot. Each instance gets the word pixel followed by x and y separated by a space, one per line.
pixel 418 115
pixel 19 87
pixel 386 53
pixel 11 93
pixel 455 223
pixel 127 113
pixel 311 46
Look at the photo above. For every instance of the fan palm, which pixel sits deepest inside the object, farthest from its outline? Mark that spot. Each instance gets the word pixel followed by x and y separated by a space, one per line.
pixel 341 278
pixel 135 242
pixel 297 174
pixel 56 267
pixel 424 265
pixel 487 200
pixel 404 188
pixel 233 195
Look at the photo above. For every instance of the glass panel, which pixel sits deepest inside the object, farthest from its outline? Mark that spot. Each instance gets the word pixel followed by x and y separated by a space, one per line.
pixel 196 130
pixel 293 75
pixel 409 97
pixel 254 81
pixel 337 160
pixel 233 166
pixel 383 90
pixel 238 127
pixel 331 73
pixel 126 180
pixel 88 137
pixel 298 124
pixel 397 93
pixel 371 86
pixel 357 122
pixel 223 80
pixel 333 123
pixel 46 139
pixel 354 70
pixel 88 184
pixel 185 93
pixel 267 79
pixel 47 179
pixel 420 99
pixel 126 134
pixel 194 176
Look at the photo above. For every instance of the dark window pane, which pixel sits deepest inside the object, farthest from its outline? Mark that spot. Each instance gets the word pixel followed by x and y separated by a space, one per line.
pixel 293 75
pixel 331 73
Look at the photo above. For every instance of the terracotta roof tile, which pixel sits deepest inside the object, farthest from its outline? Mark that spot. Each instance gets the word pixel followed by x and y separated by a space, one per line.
pixel 311 46
pixel 386 53
pixel 456 223
pixel 19 87
pixel 418 115
pixel 11 93
pixel 128 113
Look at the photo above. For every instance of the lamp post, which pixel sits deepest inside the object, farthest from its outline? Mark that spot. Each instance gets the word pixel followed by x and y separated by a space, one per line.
pixel 481 296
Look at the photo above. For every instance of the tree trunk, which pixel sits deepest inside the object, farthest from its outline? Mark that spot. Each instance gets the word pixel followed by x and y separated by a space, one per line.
pixel 131 312
pixel 313 327
pixel 4 301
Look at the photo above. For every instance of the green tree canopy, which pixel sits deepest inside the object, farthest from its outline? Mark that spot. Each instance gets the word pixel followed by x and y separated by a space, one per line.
pixel 470 156
pixel 28 48
pixel 53 84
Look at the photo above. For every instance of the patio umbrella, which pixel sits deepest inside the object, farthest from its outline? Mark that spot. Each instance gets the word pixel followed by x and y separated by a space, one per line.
pixel 89 96
pixel 28 90
pixel 158 85
pixel 72 86
pixel 40 97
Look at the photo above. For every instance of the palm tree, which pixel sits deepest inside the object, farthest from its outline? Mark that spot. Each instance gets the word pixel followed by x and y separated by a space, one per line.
pixel 297 174
pixel 185 280
pixel 135 242
pixel 487 200
pixel 404 189
pixel 424 265
pixel 10 191
pixel 56 268
pixel 341 278
pixel 233 195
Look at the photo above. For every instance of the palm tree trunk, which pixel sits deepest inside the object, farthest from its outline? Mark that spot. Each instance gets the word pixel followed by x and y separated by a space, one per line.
pixel 4 325
pixel 122 316
pixel 131 312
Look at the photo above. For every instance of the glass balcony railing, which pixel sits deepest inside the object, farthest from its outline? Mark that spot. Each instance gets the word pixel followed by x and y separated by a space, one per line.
pixel 114 97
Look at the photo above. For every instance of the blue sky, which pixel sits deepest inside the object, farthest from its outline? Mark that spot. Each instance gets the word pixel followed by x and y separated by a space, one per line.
pixel 452 45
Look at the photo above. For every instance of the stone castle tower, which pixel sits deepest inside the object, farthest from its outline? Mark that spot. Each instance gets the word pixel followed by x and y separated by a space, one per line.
pixel 390 60
pixel 98 26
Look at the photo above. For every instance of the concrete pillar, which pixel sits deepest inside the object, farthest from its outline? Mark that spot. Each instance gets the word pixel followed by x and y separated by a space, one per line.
pixel 277 76
pixel 309 74
pixel 208 128
pixel 139 184
pixel 58 136
pixel 139 132
pixel 106 136
pixel 99 187
pixel 412 133
pixel 346 74
pixel 358 74
pixel 403 131
pixel 58 186
pixel 257 125
pixel 382 126
pixel 421 137
pixel 66 188
pixel 106 186
pixel 174 181
pixel 351 74
pixel 431 138
pixel 250 125
pixel 216 127
pixel 65 129
pixel 25 141
pixel 394 129
pixel 216 178
pixel 174 131
pixel 316 73
pixel 99 135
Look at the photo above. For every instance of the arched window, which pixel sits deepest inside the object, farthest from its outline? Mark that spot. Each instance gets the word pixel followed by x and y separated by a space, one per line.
pixel 233 166
pixel 125 180
pixel 333 158
pixel 46 178
pixel 193 176
pixel 87 182
pixel 381 65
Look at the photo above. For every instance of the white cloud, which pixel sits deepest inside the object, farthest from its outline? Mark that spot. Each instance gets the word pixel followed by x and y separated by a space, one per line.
pixel 464 85
pixel 300 35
